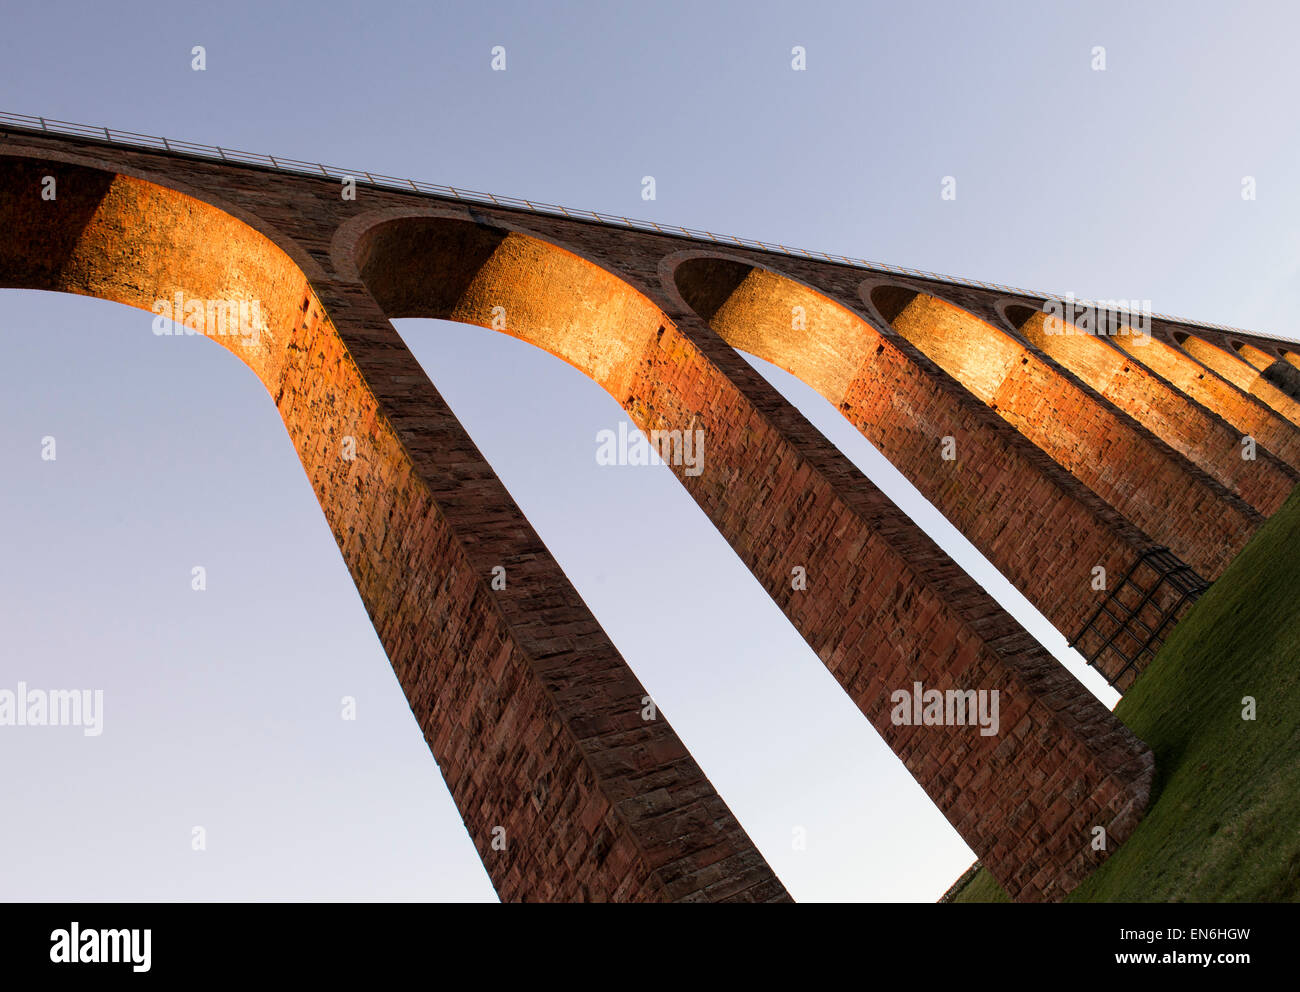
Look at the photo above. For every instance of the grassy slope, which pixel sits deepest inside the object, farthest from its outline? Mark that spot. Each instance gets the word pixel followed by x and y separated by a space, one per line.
pixel 1225 822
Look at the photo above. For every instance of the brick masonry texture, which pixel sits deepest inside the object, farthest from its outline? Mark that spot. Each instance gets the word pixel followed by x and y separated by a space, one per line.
pixel 1042 528
pixel 1195 432
pixel 1244 375
pixel 533 716
pixel 1140 476
pixel 1246 413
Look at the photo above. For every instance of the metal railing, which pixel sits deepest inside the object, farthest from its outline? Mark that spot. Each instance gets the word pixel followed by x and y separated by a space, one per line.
pixel 1141 624
pixel 132 139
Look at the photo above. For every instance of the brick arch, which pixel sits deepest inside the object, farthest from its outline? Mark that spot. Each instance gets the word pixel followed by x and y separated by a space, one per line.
pixel 772 316
pixel 1277 385
pixel 125 239
pixel 461 270
pixel 1187 427
pixel 1260 359
pixel 593 801
pixel 973 352
pixel 1142 477
pixel 1248 414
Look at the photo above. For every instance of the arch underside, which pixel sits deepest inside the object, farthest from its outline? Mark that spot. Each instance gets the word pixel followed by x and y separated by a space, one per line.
pixel 1191 429
pixel 1246 413
pixel 1163 493
pixel 1277 384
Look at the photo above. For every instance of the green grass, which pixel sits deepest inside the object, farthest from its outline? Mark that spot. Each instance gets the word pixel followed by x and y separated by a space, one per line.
pixel 1224 824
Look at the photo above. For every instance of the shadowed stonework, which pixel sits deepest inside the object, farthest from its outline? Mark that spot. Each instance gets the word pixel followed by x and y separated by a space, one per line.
pixel 535 719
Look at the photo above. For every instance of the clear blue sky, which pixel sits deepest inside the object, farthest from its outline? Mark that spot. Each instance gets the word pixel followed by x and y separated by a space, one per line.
pixel 222 707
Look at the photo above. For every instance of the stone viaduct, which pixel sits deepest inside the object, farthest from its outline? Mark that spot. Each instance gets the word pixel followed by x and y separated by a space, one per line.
pixel 1058 453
